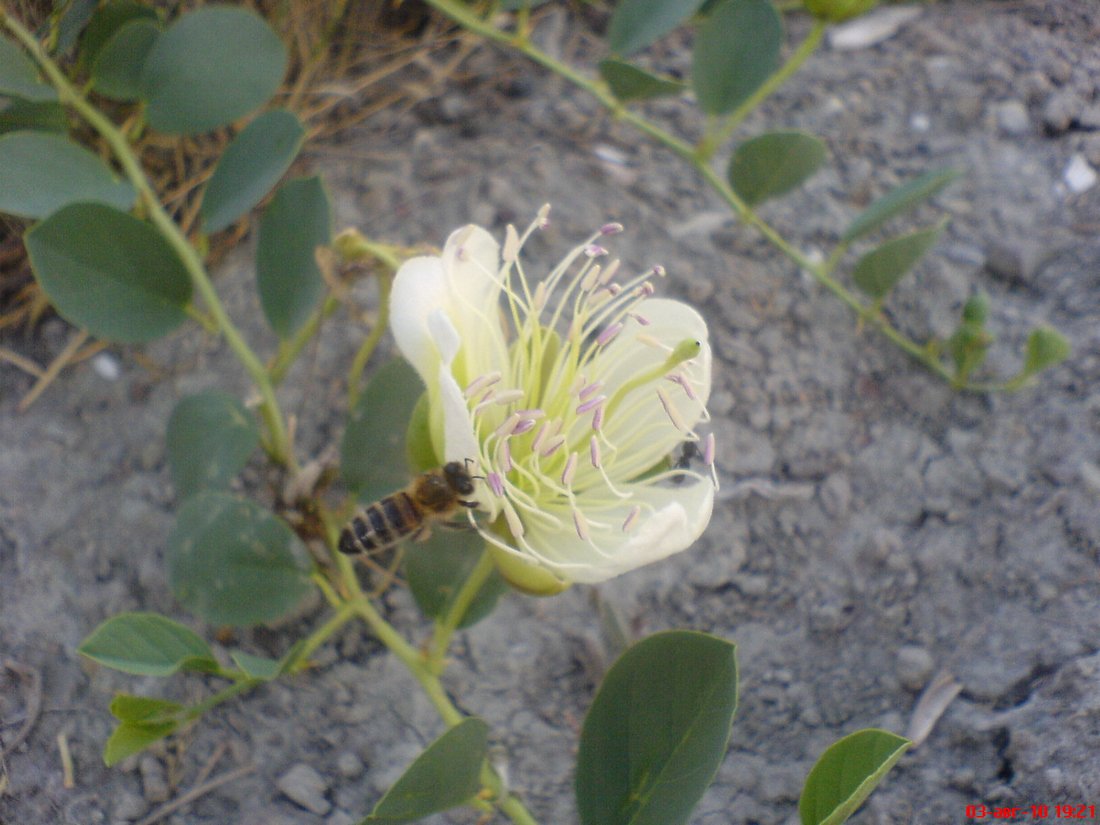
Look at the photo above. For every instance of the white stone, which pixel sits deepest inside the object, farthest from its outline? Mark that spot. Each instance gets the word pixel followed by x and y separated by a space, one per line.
pixel 1079 176
pixel 872 28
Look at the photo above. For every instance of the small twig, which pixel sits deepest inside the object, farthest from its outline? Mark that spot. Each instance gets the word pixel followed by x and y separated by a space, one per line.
pixel 53 370
pixel 68 780
pixel 211 763
pixel 23 363
pixel 33 680
pixel 196 792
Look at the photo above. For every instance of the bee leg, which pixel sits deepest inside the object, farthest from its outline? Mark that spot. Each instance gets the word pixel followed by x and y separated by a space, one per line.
pixel 423 534
pixel 469 504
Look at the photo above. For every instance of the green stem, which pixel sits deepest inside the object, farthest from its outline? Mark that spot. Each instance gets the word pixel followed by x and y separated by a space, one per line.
pixel 728 124
pixel 223 695
pixel 269 407
pixel 698 159
pixel 447 625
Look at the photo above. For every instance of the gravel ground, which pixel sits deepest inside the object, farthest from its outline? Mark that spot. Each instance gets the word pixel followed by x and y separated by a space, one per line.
pixel 876 530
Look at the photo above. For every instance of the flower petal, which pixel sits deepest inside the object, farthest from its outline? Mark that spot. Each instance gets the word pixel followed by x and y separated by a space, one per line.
pixel 419 288
pixel 676 517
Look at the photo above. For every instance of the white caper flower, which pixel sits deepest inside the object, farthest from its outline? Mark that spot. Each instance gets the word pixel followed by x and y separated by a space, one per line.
pixel 568 393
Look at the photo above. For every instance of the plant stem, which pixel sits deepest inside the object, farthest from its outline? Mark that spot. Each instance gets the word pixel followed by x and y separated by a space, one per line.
pixel 280 446
pixel 699 159
pixel 446 626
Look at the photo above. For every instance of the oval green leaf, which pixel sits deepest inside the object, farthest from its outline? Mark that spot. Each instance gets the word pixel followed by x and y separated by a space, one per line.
pixel 19 77
pixel 147 644
pixel 209 68
pixel 1046 347
pixel 637 23
pixel 20 115
pixel 846 774
pixel 148 709
pixel 657 730
pixel 436 569
pixel 774 164
pixel 256 667
pixel 372 453
pixel 628 82
pixel 134 737
pixel 898 200
pixel 116 72
pixel 233 562
pixel 110 273
pixel 74 18
pixel 879 271
pixel 40 172
pixel 736 50
pixel 108 19
pixel 295 224
pixel 444 776
pixel 250 166
pixel 210 437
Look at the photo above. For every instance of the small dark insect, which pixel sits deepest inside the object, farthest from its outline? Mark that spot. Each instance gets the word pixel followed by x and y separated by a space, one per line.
pixel 432 497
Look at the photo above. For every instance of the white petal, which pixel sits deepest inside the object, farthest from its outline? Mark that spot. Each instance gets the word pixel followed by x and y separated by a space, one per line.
pixel 680 516
pixel 459 439
pixel 419 288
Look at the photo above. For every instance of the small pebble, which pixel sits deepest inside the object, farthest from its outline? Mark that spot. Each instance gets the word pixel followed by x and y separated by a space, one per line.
pixel 1079 176
pixel 1012 117
pixel 305 787
pixel 914 667
pixel 869 29
pixel 349 765
pixel 1061 109
pixel 129 806
pixel 106 366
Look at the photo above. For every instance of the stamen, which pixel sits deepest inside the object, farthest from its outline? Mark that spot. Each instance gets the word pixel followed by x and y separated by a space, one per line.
pixel 708 450
pixel 515 526
pixel 554 445
pixel 543 216
pixel 508 396
pixel 609 334
pixel 641 319
pixel 659 271
pixel 532 414
pixel 631 517
pixel 646 289
pixel 650 341
pixel 611 229
pixel 613 289
pixel 594 251
pixel 504 456
pixel 609 272
pixel 597 418
pixel 681 379
pixel 510 253
pixel 486 380
pixel 590 404
pixel 570 470
pixel 508 427
pixel 539 301
pixel 526 425
pixel 579 384
pixel 496 484
pixel 591 279
pixel 588 390
pixel 671 411
pixel 594 452
pixel 581 524
pixel 536 443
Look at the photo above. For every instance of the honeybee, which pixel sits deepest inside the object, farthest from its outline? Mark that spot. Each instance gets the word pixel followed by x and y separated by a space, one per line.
pixel 433 496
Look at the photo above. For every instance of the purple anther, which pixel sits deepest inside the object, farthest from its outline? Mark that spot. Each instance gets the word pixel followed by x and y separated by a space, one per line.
pixel 671 411
pixel 589 389
pixel 554 445
pixel 647 289
pixel 594 452
pixel 526 425
pixel 505 458
pixel 594 250
pixel 641 319
pixel 591 404
pixel 609 333
pixel 536 443
pixel 631 517
pixel 678 378
pixel 496 484
pixel 570 470
pixel 486 380
pixel 611 229
pixel 708 450
pixel 581 525
pixel 597 419
pixel 508 427
pixel 530 415
pixel 659 271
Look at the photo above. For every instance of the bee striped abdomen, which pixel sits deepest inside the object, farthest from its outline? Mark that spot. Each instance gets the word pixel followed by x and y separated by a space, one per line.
pixel 382 524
